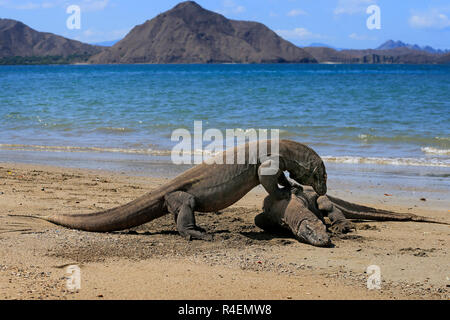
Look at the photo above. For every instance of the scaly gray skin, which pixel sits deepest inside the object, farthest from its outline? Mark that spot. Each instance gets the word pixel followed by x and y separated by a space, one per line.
pixel 209 188
pixel 339 211
pixel 303 213
pixel 298 214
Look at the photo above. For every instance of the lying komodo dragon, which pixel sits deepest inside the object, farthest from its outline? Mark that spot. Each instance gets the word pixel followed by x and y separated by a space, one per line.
pixel 303 215
pixel 210 187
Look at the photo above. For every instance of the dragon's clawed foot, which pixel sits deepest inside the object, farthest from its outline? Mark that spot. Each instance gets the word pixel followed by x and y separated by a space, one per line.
pixel 342 226
pixel 199 236
pixel 196 233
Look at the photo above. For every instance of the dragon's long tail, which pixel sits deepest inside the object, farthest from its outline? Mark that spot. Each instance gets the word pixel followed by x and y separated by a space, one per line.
pixel 132 214
pixel 356 211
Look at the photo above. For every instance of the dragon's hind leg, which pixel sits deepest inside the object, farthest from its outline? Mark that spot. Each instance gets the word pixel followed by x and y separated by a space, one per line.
pixel 339 224
pixel 182 205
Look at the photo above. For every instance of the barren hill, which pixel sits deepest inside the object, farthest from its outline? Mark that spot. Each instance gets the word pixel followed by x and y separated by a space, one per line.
pixel 190 34
pixel 19 40
pixel 370 56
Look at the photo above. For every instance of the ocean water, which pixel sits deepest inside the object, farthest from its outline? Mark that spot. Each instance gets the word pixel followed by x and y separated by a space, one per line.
pixel 388 119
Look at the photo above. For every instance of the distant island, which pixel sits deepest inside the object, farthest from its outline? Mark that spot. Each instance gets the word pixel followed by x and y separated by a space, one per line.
pixel 401 55
pixel 189 33
pixel 391 44
pixel 106 43
pixel 20 44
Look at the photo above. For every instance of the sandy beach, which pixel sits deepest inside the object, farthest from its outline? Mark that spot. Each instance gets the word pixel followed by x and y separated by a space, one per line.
pixel 103 102
pixel 243 262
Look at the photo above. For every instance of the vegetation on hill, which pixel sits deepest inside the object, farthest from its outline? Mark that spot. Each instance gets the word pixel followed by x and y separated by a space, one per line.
pixel 36 60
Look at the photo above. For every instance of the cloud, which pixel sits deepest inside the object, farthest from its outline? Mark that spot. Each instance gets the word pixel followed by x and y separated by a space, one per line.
pixel 94 36
pixel 231 7
pixel 20 5
pixel 298 34
pixel 27 6
pixel 93 5
pixel 239 9
pixel 361 37
pixel 47 5
pixel 85 5
pixel 434 18
pixel 352 6
pixel 296 12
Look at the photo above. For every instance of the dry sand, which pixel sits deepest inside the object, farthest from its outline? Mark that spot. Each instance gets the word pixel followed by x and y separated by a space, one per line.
pixel 243 262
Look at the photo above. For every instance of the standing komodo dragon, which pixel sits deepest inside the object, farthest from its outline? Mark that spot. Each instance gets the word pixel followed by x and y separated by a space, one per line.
pixel 210 187
pixel 303 215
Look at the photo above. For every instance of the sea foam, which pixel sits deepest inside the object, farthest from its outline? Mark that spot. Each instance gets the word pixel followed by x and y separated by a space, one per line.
pixel 432 150
pixel 422 162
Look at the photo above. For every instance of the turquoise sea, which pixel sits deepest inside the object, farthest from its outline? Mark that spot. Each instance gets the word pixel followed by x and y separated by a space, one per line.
pixel 391 120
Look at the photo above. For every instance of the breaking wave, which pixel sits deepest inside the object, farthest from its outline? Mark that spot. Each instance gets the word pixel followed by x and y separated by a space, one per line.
pixel 423 162
pixel 413 139
pixel 431 150
pixel 23 147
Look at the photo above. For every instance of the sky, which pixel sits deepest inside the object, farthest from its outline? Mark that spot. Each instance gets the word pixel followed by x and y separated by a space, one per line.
pixel 337 23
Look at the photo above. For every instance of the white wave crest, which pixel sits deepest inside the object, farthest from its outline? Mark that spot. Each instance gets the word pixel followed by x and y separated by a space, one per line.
pixel 24 147
pixel 432 150
pixel 426 162
pixel 422 162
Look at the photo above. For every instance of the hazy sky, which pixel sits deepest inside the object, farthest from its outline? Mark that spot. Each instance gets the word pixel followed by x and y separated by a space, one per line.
pixel 339 23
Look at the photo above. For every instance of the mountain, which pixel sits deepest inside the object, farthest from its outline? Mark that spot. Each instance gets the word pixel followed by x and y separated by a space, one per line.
pixel 190 34
pixel 327 55
pixel 390 52
pixel 444 59
pixel 391 44
pixel 324 45
pixel 319 44
pixel 400 55
pixel 20 42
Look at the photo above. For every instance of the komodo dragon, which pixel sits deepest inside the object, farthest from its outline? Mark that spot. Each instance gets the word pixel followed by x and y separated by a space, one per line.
pixel 209 187
pixel 303 215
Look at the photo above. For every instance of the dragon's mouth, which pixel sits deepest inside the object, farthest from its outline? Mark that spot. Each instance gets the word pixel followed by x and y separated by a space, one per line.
pixel 321 190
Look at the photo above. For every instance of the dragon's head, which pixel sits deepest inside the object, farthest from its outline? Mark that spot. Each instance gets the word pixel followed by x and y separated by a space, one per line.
pixel 313 232
pixel 316 178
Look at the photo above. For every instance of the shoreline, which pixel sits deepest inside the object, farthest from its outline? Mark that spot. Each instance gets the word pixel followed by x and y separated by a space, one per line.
pixel 426 160
pixel 153 262
pixel 372 183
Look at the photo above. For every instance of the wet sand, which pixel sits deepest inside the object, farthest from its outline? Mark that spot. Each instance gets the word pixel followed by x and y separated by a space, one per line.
pixel 243 262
